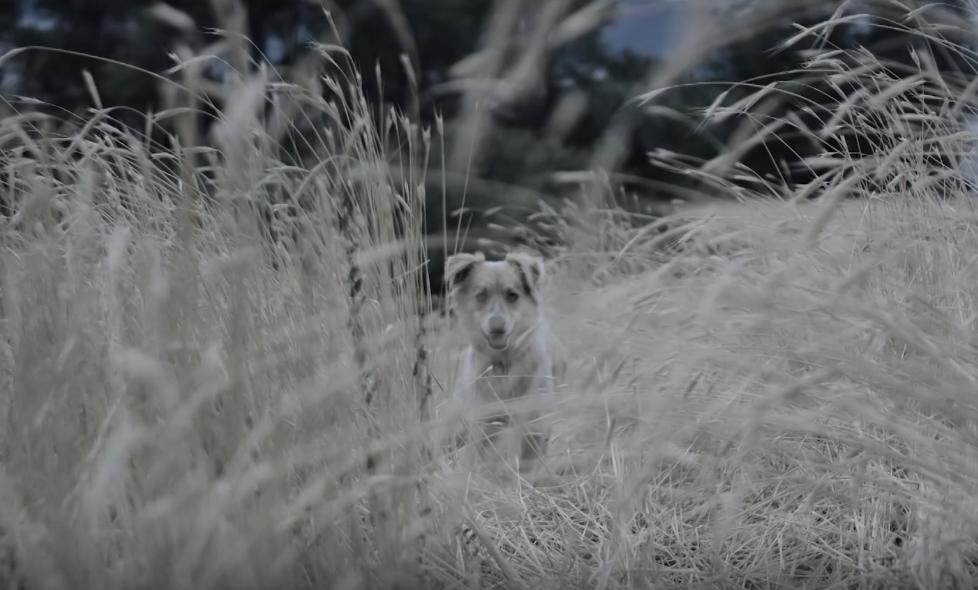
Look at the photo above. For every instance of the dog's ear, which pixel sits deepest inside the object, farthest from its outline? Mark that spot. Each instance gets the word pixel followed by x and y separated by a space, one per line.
pixel 530 268
pixel 459 266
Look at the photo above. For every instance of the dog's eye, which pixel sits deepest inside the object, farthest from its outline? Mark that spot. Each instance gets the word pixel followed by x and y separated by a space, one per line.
pixel 512 296
pixel 482 296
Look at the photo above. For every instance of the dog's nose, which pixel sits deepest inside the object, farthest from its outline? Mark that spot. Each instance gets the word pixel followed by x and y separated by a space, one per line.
pixel 497 325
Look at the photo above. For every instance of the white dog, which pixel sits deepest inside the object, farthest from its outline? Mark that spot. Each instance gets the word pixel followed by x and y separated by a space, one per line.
pixel 509 358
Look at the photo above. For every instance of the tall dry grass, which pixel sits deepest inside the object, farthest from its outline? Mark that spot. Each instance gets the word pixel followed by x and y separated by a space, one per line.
pixel 762 394
pixel 189 402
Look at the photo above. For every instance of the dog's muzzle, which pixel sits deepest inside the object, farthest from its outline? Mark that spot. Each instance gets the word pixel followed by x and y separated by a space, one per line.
pixel 497 332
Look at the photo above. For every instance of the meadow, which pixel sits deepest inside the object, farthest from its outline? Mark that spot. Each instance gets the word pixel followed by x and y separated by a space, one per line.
pixel 764 392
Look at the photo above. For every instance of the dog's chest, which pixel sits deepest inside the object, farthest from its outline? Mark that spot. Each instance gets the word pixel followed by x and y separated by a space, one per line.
pixel 507 380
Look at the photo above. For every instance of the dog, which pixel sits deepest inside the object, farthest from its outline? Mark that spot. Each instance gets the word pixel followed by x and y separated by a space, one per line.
pixel 510 355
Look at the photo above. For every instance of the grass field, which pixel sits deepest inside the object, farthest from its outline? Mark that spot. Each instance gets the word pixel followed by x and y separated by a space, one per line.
pixel 765 393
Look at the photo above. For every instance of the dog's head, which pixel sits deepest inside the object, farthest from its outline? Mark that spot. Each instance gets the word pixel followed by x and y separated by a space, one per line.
pixel 497 302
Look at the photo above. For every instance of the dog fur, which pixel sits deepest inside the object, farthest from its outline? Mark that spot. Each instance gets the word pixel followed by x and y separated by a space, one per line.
pixel 499 308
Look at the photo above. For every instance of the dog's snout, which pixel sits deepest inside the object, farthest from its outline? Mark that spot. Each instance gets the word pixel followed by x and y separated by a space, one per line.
pixel 497 325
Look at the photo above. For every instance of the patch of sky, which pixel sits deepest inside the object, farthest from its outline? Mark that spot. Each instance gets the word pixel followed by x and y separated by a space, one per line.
pixel 274 48
pixel 36 17
pixel 651 28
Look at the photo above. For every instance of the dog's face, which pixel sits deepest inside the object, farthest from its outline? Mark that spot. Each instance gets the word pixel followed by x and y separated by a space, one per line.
pixel 497 302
